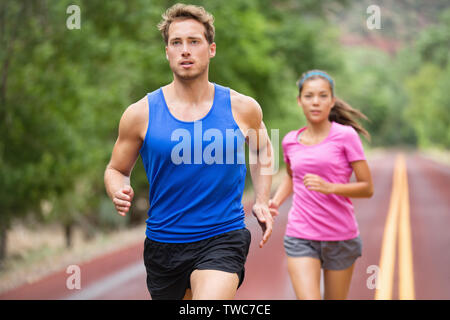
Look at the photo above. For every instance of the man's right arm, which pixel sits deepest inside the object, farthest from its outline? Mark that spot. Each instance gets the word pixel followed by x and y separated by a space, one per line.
pixel 132 128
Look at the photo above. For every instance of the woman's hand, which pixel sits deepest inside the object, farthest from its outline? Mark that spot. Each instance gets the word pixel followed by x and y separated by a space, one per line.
pixel 273 207
pixel 315 183
pixel 362 188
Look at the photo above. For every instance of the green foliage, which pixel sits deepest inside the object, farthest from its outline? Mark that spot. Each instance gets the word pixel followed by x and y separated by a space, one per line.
pixel 429 103
pixel 428 83
pixel 434 43
pixel 371 84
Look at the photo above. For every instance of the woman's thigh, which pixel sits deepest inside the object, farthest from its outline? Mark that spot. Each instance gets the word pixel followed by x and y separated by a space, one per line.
pixel 305 277
pixel 337 283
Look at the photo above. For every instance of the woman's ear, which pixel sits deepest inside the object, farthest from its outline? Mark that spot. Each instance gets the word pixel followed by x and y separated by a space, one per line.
pixel 333 102
pixel 299 101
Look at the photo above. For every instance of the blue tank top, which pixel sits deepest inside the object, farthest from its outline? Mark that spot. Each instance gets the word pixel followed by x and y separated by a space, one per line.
pixel 196 171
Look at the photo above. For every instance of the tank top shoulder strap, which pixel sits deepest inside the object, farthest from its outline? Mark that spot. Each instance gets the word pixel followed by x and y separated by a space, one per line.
pixel 154 101
pixel 222 96
pixel 223 104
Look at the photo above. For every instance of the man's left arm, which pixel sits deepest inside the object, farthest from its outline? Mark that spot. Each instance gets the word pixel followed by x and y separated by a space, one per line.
pixel 261 164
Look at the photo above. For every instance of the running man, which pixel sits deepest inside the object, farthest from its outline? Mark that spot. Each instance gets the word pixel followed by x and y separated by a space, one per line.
pixel 191 135
pixel 322 231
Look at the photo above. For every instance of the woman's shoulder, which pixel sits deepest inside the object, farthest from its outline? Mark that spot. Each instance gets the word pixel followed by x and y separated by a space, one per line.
pixel 343 131
pixel 290 137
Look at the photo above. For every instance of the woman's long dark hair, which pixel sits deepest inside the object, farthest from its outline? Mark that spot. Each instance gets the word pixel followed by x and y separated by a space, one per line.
pixel 341 112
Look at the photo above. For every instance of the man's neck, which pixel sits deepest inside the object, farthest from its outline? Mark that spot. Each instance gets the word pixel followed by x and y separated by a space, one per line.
pixel 192 92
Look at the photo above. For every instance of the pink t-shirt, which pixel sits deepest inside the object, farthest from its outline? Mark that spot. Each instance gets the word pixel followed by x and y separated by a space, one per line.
pixel 314 215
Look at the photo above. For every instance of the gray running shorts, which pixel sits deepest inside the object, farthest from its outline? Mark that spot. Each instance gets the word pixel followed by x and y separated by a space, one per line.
pixel 333 255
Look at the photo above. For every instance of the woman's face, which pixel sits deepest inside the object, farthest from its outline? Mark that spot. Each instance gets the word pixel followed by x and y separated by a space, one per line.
pixel 316 100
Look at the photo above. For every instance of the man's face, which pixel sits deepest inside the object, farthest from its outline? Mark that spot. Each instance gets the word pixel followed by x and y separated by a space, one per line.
pixel 187 50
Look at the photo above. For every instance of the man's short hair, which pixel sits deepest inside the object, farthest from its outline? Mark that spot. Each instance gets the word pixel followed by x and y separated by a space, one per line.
pixel 183 11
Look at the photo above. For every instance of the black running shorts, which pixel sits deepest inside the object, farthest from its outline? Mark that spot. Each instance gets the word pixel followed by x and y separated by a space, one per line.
pixel 169 265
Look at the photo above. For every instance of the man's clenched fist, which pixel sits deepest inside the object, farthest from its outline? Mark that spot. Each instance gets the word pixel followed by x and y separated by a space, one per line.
pixel 122 199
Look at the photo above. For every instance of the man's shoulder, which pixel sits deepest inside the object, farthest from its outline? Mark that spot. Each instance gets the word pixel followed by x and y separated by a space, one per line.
pixel 244 105
pixel 136 114
pixel 242 100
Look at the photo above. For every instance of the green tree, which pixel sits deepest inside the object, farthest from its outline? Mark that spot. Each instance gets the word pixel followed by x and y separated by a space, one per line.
pixel 427 83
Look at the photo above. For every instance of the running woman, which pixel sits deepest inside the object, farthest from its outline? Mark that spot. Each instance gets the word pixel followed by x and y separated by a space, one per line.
pixel 322 231
pixel 196 242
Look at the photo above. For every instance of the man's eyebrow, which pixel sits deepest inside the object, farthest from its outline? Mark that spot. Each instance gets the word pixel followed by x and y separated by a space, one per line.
pixel 189 37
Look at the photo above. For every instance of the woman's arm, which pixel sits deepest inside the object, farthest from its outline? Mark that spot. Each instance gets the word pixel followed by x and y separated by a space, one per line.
pixel 283 192
pixel 362 188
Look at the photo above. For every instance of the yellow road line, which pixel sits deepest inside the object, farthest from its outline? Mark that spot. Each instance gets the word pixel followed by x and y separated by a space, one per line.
pixel 387 259
pixel 397 220
pixel 405 258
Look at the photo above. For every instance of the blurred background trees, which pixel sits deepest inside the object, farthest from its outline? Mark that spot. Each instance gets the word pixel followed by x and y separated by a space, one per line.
pixel 62 92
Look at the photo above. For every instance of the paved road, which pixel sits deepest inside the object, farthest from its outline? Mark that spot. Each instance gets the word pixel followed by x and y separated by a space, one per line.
pixel 121 275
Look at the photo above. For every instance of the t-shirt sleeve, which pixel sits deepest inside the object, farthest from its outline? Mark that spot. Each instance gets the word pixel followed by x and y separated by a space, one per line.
pixel 285 146
pixel 353 146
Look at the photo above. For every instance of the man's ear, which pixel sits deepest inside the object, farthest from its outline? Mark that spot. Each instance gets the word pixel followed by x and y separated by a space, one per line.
pixel 212 50
pixel 167 56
